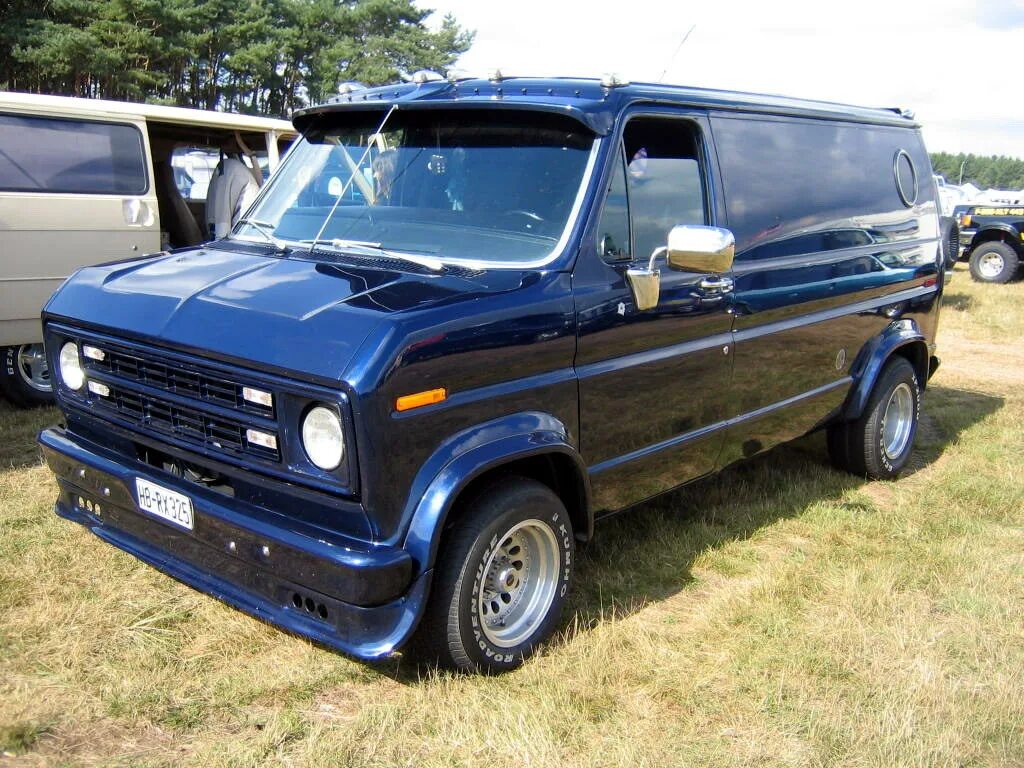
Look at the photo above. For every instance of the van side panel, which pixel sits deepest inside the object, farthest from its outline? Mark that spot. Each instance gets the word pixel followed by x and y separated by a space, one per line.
pixel 44 238
pixel 828 255
pixel 47 235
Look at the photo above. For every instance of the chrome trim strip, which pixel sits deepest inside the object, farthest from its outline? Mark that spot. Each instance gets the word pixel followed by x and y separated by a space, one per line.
pixel 833 313
pixel 654 355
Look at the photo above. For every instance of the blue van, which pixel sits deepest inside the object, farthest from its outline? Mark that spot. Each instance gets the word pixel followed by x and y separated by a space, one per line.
pixel 467 320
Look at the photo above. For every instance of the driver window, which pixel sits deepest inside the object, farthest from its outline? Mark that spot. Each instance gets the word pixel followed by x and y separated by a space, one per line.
pixel 613 239
pixel 664 180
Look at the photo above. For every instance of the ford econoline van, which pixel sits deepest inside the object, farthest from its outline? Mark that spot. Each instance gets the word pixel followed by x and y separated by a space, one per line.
pixel 84 181
pixel 467 321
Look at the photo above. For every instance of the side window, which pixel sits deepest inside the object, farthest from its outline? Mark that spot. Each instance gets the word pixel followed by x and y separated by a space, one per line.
pixel 40 154
pixel 797 186
pixel 613 232
pixel 193 168
pixel 664 178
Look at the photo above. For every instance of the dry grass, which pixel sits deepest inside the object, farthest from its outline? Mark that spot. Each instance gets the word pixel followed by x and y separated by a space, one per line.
pixel 780 614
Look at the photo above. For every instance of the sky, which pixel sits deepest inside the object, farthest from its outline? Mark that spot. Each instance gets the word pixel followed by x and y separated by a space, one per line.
pixel 957 65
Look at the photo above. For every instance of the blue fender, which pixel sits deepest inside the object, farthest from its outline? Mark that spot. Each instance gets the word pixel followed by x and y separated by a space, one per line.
pixel 873 356
pixel 467 456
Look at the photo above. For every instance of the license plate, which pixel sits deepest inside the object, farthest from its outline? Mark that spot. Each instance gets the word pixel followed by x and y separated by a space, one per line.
pixel 164 503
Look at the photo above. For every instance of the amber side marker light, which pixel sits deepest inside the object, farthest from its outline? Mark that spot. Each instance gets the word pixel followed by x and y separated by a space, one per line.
pixel 431 396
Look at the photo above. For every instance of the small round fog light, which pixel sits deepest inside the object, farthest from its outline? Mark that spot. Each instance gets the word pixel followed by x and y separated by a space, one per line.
pixel 70 364
pixel 322 437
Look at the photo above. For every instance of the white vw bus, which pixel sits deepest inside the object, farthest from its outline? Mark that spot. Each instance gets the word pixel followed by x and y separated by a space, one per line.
pixel 84 181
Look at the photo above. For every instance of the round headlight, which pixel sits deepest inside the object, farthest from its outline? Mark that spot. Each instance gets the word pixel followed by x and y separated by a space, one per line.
pixel 322 438
pixel 71 372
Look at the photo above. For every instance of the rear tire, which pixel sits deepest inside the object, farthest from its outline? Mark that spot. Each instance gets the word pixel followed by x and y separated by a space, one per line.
pixel 500 581
pixel 950 241
pixel 878 444
pixel 25 375
pixel 994 262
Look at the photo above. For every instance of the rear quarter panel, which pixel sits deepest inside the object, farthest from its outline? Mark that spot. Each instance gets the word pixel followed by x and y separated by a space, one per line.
pixel 828 256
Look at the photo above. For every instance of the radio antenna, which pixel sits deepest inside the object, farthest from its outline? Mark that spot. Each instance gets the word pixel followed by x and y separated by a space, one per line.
pixel 678 48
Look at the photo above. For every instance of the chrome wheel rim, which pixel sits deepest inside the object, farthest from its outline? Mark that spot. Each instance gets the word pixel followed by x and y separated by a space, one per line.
pixel 32 367
pixel 519 583
pixel 991 264
pixel 898 421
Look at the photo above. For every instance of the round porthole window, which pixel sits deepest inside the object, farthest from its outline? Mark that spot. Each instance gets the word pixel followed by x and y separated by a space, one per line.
pixel 906 177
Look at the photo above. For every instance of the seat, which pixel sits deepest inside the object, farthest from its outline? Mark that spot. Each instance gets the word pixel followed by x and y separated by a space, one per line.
pixel 175 217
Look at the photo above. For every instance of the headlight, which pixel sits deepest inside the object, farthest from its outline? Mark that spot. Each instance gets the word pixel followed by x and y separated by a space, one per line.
pixel 71 372
pixel 322 437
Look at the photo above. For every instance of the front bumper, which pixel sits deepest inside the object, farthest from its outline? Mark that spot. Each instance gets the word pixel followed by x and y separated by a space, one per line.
pixel 340 592
pixel 966 238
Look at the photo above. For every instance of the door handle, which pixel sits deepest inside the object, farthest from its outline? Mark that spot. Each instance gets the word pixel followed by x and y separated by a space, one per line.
pixel 716 285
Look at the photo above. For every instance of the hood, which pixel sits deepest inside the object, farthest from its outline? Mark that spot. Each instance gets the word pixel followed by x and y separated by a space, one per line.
pixel 292 316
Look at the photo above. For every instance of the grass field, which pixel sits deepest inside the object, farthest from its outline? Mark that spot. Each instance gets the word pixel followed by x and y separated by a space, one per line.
pixel 780 614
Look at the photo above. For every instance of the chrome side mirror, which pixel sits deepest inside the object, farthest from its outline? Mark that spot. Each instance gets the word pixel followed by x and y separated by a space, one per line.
pixel 692 248
pixel 646 282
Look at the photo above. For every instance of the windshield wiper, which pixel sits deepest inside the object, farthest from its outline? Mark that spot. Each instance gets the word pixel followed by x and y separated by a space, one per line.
pixel 363 248
pixel 267 230
pixel 354 172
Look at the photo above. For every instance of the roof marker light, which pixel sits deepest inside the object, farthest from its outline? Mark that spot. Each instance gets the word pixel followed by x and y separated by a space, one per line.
pixel 421 76
pixel 612 80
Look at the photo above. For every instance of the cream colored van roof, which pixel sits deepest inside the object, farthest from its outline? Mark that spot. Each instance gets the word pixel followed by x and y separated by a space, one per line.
pixel 67 105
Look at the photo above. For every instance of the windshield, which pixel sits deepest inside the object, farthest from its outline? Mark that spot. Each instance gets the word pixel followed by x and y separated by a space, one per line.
pixel 458 185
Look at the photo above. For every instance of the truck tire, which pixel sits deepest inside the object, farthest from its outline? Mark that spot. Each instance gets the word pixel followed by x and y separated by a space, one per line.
pixel 949 242
pixel 500 581
pixel 994 262
pixel 25 376
pixel 879 443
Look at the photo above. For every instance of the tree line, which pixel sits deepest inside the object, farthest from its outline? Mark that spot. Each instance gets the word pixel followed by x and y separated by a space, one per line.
pixel 254 56
pixel 984 172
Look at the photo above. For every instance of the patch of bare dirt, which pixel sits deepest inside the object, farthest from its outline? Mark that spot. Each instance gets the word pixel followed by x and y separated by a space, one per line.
pixel 101 742
pixel 997 363
pixel 344 703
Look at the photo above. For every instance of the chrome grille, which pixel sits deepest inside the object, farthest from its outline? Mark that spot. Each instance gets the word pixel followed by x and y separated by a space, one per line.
pixel 186 401
pixel 171 378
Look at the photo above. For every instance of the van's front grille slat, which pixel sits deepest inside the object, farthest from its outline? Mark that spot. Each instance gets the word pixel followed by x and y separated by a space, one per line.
pixel 194 405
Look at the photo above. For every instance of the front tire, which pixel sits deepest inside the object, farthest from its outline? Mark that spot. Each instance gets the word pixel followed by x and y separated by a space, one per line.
pixel 878 444
pixel 25 375
pixel 994 262
pixel 500 582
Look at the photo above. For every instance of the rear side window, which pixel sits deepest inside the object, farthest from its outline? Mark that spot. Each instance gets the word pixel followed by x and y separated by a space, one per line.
pixel 794 187
pixel 39 154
